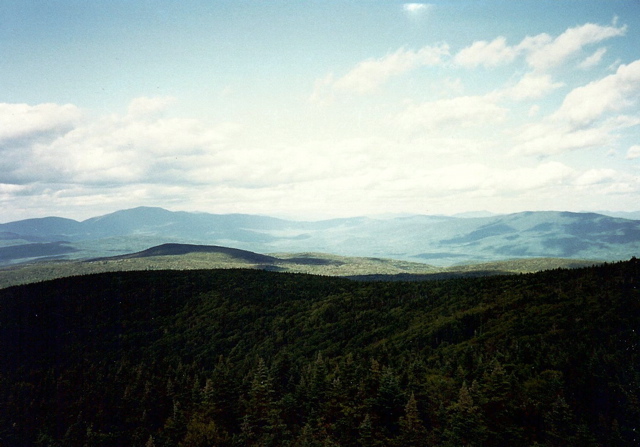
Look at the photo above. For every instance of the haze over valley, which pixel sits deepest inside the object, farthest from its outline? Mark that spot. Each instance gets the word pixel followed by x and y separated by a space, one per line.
pixel 434 240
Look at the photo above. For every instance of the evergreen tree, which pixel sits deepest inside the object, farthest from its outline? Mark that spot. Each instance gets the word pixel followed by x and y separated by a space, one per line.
pixel 366 436
pixel 219 396
pixel 412 430
pixel 560 424
pixel 203 433
pixel 389 401
pixel 257 424
pixel 306 438
pixel 76 433
pixel 465 425
pixel 496 395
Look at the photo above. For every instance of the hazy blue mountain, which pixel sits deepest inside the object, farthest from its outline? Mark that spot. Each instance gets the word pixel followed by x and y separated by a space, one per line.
pixel 46 228
pixel 439 240
pixel 635 215
pixel 45 250
pixel 475 214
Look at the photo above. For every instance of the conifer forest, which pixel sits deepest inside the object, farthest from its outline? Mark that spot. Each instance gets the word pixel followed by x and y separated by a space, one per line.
pixel 257 358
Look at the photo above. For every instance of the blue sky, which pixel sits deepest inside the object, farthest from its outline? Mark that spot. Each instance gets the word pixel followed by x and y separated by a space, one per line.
pixel 318 109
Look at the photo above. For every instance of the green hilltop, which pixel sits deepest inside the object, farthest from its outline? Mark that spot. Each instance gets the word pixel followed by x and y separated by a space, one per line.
pixel 191 257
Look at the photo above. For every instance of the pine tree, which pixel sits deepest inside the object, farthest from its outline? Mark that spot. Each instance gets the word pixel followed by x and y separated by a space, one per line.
pixel 560 424
pixel 175 426
pixel 366 437
pixel 465 425
pixel 76 433
pixel 203 433
pixel 306 438
pixel 389 401
pixel 314 435
pixel 259 411
pixel 496 395
pixel 318 385
pixel 412 430
pixel 219 395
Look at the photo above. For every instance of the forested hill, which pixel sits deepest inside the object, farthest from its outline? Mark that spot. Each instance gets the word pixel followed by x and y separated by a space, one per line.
pixel 256 358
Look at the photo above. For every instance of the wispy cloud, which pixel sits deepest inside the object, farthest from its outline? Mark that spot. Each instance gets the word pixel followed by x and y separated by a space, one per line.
pixel 463 111
pixel 501 121
pixel 545 53
pixel 532 86
pixel 584 105
pixel 541 51
pixel 145 106
pixel 593 60
pixel 369 75
pixel 548 138
pixel 489 54
pixel 26 122
pixel 633 152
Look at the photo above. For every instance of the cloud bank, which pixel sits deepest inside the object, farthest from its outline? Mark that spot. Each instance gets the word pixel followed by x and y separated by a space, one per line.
pixel 461 131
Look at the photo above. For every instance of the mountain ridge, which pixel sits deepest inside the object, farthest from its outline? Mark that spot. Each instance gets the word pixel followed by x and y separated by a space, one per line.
pixel 432 239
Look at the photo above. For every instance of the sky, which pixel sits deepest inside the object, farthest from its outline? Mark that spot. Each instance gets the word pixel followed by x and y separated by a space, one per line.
pixel 315 109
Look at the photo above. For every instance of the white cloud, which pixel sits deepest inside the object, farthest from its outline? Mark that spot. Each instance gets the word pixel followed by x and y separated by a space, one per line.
pixel 445 137
pixel 593 60
pixel 322 93
pixel 584 105
pixel 370 74
pixel 541 52
pixel 633 152
pixel 465 111
pixel 137 147
pixel 596 177
pixel 544 183
pixel 552 136
pixel 8 190
pixel 453 86
pixel 533 111
pixel 545 175
pixel 144 106
pixel 548 138
pixel 544 53
pixel 532 86
pixel 489 54
pixel 586 117
pixel 480 178
pixel 25 122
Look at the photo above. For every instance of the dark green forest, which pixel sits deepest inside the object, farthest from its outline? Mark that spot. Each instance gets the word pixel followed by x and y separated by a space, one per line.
pixel 256 358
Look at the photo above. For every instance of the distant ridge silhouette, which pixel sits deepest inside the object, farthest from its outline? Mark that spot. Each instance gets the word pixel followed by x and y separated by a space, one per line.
pixel 172 249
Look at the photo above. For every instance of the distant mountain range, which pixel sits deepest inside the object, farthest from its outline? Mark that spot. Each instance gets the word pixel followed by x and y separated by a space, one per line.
pixel 436 240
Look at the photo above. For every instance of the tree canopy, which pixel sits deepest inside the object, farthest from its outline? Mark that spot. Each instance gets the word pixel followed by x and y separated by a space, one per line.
pixel 245 357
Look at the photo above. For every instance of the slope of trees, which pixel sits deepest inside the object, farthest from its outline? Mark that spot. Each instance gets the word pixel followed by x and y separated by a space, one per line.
pixel 243 358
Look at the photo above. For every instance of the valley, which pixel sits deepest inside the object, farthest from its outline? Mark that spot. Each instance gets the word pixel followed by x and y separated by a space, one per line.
pixel 440 241
pixel 199 257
